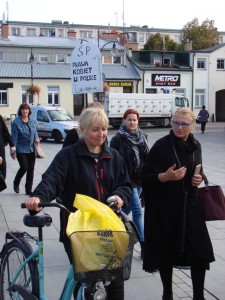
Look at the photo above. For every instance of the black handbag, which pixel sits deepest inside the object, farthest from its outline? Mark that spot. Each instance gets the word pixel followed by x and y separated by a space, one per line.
pixel 3 185
pixel 212 200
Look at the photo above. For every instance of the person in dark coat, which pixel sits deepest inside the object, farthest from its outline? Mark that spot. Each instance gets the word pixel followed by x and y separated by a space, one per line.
pixel 132 144
pixel 88 167
pixel 203 116
pixel 175 231
pixel 72 136
pixel 5 138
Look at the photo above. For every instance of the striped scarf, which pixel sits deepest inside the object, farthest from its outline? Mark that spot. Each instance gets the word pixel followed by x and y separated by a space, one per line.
pixel 136 138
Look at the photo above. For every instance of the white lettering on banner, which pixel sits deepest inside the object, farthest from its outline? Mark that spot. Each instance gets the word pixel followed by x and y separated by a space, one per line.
pixel 164 78
pixel 86 75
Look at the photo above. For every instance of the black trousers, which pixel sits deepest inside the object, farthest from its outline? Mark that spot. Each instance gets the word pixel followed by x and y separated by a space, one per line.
pixel 203 126
pixel 115 290
pixel 27 163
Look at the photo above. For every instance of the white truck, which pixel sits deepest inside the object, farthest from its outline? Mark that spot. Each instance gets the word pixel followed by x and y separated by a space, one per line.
pixel 154 109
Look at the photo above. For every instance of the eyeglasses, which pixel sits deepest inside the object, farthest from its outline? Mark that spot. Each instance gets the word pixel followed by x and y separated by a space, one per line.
pixel 181 124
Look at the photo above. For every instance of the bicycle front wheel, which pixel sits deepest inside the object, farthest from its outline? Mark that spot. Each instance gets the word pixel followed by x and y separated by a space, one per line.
pixel 13 256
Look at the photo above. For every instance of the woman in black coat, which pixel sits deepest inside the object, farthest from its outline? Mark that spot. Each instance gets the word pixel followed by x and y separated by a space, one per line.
pixel 5 138
pixel 175 230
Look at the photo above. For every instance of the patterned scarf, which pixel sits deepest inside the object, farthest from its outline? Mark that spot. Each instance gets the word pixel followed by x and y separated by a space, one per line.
pixel 136 138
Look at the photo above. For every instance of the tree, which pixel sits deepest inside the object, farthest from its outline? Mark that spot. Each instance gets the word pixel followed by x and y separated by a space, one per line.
pixel 202 36
pixel 159 42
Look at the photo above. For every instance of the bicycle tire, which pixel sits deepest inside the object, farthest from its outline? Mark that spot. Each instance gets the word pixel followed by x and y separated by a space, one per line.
pixel 13 255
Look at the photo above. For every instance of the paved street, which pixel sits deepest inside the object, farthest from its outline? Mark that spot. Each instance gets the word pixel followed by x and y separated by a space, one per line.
pixel 141 285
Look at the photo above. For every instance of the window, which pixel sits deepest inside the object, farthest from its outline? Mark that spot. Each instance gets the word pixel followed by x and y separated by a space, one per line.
pixel 132 37
pixel 220 64
pixel 157 61
pixel 60 58
pixel 199 97
pixel 26 98
pixel 60 33
pixel 112 60
pixel 201 63
pixel 86 34
pixel 47 32
pixel 53 95
pixel 141 37
pixel 43 58
pixel 68 58
pixel 1 56
pixel 15 31
pixel 31 32
pixel 3 97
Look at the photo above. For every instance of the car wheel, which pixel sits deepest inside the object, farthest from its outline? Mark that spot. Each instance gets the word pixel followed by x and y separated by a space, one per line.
pixel 57 136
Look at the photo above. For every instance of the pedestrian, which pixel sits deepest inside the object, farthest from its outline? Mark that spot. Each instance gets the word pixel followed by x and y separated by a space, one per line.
pixel 72 135
pixel 175 231
pixel 24 135
pixel 5 139
pixel 88 167
pixel 131 143
pixel 203 116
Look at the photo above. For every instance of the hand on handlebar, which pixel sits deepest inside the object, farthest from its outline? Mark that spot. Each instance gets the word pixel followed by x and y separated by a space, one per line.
pixel 32 204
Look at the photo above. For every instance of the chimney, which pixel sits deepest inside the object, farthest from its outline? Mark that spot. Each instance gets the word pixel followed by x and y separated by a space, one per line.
pixel 71 34
pixel 5 31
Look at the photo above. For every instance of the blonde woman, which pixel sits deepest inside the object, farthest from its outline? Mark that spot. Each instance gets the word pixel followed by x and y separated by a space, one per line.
pixel 175 231
pixel 88 167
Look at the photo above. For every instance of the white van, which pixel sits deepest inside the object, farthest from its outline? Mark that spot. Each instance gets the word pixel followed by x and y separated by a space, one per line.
pixel 54 122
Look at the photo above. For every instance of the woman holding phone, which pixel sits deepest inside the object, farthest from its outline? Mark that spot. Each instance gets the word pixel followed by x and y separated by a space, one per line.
pixel 175 231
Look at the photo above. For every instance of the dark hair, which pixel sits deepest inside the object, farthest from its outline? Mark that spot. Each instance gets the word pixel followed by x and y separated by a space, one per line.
pixel 130 111
pixel 203 106
pixel 24 106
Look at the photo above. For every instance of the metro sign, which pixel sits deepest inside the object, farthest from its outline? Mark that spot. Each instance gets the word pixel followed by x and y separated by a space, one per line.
pixel 165 79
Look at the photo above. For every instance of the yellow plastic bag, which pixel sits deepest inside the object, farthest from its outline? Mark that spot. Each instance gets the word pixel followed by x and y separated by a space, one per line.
pixel 98 236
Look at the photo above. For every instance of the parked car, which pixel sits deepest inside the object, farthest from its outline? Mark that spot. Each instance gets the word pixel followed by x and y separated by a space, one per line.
pixel 54 122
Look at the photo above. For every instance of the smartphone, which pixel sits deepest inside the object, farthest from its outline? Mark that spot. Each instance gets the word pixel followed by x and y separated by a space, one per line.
pixel 197 169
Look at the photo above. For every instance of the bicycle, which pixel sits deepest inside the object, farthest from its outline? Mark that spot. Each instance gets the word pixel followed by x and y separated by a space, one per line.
pixel 22 268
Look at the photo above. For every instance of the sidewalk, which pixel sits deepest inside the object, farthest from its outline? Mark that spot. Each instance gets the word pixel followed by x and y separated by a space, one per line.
pixel 141 285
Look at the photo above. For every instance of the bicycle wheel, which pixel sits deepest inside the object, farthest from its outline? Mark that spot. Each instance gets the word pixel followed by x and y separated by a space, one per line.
pixel 13 256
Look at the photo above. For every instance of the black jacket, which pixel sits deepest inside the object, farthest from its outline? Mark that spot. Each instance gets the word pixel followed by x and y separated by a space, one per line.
pixel 175 230
pixel 124 147
pixel 74 170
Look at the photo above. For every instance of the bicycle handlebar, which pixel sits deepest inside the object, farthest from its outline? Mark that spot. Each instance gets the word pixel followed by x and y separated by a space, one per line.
pixel 45 204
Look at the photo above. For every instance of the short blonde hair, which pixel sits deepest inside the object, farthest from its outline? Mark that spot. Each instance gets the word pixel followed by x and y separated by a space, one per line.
pixel 92 116
pixel 185 111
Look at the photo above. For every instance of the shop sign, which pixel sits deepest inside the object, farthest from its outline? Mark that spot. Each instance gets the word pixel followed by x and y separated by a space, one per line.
pixel 165 79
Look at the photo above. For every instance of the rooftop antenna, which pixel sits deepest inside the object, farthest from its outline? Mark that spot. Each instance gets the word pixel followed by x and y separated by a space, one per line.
pixel 123 16
pixel 116 13
pixel 7 10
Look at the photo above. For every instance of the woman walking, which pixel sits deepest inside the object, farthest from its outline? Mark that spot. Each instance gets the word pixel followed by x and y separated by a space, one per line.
pixel 131 143
pixel 203 116
pixel 175 231
pixel 24 135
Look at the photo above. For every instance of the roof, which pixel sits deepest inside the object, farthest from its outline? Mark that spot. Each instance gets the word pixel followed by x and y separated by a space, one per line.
pixel 63 71
pixel 56 42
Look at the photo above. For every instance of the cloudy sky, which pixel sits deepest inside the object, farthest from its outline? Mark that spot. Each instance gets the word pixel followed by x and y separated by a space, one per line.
pixel 172 14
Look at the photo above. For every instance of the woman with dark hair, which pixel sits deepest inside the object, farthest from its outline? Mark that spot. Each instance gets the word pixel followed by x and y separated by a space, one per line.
pixel 5 138
pixel 24 135
pixel 131 143
pixel 203 116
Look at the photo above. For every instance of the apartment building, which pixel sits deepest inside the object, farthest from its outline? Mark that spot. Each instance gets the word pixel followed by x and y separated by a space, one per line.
pixel 198 75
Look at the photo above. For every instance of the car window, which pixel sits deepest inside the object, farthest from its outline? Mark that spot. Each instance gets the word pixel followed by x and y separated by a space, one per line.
pixel 60 115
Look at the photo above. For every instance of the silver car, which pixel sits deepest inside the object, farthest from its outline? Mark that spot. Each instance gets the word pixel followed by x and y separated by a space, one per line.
pixel 54 122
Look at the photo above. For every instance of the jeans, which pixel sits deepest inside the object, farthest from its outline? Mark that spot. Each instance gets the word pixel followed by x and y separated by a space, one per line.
pixel 26 162
pixel 137 212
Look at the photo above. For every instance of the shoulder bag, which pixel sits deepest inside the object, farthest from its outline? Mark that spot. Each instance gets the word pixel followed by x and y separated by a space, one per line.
pixel 39 152
pixel 212 200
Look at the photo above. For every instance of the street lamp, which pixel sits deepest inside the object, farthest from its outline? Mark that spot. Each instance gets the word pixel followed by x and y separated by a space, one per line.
pixel 114 50
pixel 31 61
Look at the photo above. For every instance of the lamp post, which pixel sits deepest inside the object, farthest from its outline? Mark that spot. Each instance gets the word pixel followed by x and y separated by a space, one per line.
pixel 31 61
